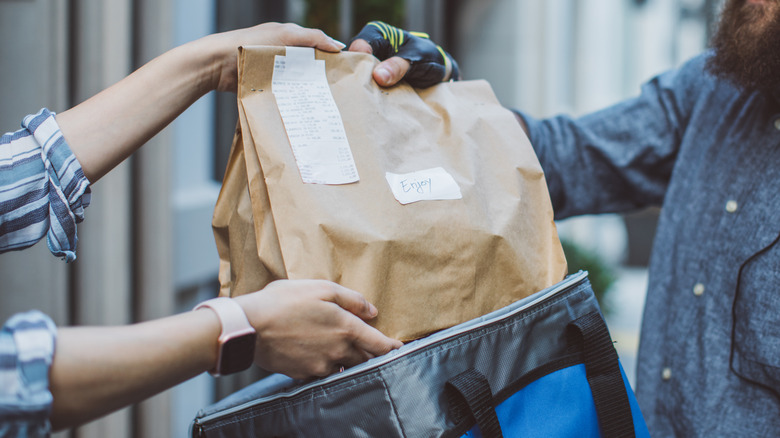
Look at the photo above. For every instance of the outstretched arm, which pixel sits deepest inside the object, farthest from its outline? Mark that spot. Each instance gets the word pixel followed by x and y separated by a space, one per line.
pixel 305 328
pixel 107 128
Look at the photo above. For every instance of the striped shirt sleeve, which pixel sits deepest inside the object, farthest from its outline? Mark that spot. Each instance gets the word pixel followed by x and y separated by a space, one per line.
pixel 27 344
pixel 43 190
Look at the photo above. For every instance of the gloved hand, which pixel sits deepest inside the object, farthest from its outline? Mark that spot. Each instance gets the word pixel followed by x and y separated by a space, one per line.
pixel 405 55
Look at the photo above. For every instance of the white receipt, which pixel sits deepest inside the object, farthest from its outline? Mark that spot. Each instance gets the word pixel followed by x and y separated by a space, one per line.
pixel 311 119
pixel 424 185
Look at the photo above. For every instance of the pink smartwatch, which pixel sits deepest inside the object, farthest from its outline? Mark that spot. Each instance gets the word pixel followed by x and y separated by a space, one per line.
pixel 237 340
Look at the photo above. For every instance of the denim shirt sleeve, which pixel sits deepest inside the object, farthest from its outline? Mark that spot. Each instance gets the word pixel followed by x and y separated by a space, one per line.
pixel 44 190
pixel 26 349
pixel 619 158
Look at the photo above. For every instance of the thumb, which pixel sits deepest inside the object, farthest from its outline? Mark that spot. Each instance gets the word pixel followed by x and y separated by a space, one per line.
pixel 390 71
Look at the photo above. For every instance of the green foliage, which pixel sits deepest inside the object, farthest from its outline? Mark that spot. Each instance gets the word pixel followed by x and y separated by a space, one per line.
pixel 601 275
pixel 324 14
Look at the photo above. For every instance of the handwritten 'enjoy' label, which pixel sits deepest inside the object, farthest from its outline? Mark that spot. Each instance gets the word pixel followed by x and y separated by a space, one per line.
pixel 424 185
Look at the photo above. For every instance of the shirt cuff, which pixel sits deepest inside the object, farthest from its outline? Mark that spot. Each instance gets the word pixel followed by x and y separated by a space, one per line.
pixel 69 192
pixel 26 350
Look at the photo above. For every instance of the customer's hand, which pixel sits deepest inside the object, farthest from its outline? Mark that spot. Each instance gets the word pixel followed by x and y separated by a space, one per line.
pixel 223 46
pixel 404 55
pixel 311 328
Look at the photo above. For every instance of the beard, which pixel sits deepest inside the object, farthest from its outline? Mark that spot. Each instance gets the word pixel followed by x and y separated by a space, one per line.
pixel 747 46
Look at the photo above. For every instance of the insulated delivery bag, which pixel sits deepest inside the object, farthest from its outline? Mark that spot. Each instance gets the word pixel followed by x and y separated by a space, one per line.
pixel 541 367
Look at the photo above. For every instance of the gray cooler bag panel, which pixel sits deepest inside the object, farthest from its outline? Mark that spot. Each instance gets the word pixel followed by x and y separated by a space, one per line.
pixel 402 394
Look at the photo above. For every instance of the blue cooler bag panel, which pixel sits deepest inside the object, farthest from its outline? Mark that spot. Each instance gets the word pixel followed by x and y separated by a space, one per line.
pixel 559 404
pixel 544 366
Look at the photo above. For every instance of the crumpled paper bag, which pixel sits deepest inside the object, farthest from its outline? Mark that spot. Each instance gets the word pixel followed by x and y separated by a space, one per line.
pixel 426 265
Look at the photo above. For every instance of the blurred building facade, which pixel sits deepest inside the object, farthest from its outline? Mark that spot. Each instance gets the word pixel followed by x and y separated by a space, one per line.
pixel 146 248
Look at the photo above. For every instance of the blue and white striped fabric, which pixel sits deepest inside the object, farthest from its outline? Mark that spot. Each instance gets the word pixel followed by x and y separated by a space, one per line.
pixel 43 190
pixel 26 349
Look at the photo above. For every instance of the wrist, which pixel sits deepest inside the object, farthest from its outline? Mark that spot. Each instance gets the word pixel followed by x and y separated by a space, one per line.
pixel 216 57
pixel 212 326
pixel 199 61
pixel 236 341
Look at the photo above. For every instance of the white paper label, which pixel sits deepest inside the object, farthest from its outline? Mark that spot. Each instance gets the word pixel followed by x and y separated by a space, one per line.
pixel 311 119
pixel 424 185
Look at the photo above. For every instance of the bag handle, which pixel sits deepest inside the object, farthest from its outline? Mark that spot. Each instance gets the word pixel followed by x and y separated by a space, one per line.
pixel 469 395
pixel 590 335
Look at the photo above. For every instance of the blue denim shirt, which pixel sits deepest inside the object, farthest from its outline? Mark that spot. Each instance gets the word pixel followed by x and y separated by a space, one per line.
pixel 709 154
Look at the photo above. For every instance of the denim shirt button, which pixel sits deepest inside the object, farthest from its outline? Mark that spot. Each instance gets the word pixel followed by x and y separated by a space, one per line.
pixel 698 289
pixel 731 206
pixel 666 374
pixel 777 123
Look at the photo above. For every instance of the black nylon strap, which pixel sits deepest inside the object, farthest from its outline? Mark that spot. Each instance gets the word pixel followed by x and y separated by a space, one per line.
pixel 606 382
pixel 469 395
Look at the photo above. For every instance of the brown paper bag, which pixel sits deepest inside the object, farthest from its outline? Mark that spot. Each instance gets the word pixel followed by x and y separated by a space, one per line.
pixel 426 265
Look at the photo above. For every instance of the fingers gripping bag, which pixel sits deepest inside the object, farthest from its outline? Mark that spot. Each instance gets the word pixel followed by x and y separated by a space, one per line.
pixel 430 202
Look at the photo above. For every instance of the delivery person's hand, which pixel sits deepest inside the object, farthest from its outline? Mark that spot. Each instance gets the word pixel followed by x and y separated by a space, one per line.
pixel 311 328
pixel 404 55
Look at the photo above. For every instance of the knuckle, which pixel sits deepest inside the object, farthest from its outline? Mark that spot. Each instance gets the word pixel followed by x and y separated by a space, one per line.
pixel 319 33
pixel 288 28
pixel 333 355
pixel 350 331
pixel 397 62
pixel 321 368
pixel 328 288
pixel 273 27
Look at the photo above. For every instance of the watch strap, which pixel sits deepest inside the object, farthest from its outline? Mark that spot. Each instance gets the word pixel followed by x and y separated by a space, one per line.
pixel 235 327
pixel 230 314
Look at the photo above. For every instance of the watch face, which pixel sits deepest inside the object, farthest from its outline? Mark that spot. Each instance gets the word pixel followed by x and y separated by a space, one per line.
pixel 237 354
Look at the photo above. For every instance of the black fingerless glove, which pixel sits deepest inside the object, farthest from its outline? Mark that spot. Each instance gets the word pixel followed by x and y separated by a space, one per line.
pixel 429 62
